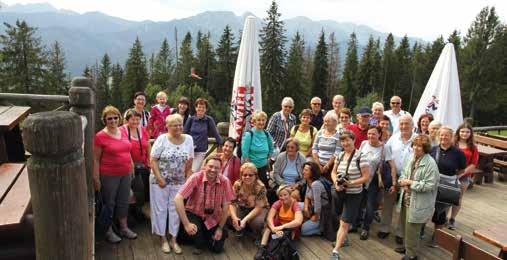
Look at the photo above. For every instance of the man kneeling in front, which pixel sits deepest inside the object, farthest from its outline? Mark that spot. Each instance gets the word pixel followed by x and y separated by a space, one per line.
pixel 205 213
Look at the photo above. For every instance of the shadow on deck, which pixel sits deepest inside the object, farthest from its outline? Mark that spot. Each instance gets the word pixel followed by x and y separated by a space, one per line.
pixel 485 205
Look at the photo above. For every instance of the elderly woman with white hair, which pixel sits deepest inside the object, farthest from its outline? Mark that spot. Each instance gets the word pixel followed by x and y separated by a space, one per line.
pixel 281 122
pixel 327 144
pixel 171 163
pixel 377 110
pixel 433 129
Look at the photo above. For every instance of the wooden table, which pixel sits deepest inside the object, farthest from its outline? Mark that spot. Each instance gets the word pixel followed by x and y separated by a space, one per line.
pixel 495 235
pixel 486 156
pixel 10 117
pixel 14 194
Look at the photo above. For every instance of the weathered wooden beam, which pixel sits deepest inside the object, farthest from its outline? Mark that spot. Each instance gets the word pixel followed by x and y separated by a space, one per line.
pixel 57 177
pixel 33 97
pixel 82 102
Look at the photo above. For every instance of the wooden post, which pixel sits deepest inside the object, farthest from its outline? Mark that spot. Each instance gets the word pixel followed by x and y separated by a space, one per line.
pixel 57 177
pixel 82 102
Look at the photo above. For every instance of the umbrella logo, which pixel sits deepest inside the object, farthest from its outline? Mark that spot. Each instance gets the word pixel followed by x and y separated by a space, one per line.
pixel 432 105
pixel 241 107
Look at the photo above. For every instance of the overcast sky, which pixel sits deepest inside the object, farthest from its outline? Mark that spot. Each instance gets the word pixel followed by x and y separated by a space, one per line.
pixel 420 18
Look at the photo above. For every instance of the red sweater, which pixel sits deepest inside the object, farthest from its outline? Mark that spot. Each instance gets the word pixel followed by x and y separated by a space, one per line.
pixel 472 157
pixel 156 124
pixel 115 159
pixel 136 146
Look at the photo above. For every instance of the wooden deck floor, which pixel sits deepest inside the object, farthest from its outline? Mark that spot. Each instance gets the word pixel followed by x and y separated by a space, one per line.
pixel 484 205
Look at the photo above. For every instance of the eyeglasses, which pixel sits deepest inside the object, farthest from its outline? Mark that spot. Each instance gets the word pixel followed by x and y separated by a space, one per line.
pixel 248 175
pixel 287 106
pixel 291 147
pixel 112 118
pixel 395 103
pixel 365 115
pixel 317 104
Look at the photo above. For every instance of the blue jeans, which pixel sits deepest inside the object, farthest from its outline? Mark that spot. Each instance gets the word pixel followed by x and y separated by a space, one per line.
pixel 310 227
pixel 371 203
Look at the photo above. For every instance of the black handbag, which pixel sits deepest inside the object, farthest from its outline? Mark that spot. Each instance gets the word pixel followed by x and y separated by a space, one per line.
pixel 385 179
pixel 449 191
pixel 103 216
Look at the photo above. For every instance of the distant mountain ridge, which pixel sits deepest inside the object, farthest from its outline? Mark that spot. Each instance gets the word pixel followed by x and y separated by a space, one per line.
pixel 86 37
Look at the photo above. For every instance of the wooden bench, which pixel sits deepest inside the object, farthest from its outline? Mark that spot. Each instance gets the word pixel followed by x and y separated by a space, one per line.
pixel 478 176
pixel 14 195
pixel 490 141
pixel 11 144
pixel 461 249
pixel 500 167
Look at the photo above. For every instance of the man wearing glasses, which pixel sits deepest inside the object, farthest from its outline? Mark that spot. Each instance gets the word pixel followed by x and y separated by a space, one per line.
pixel 317 112
pixel 395 113
pixel 203 217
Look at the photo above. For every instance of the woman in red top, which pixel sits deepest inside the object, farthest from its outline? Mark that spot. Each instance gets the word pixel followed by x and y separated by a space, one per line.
pixel 158 114
pixel 230 163
pixel 464 140
pixel 141 148
pixel 112 170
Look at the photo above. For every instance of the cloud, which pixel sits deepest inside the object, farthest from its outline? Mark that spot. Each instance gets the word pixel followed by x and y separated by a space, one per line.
pixel 426 19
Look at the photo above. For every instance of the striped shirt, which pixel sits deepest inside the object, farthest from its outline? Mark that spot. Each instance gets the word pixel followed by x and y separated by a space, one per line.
pixel 353 173
pixel 325 147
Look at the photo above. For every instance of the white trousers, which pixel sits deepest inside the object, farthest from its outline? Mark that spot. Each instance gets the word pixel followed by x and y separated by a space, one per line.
pixel 163 209
pixel 387 215
pixel 197 161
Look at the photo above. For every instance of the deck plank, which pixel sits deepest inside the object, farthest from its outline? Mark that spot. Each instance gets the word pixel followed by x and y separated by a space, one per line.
pixel 16 203
pixel 482 207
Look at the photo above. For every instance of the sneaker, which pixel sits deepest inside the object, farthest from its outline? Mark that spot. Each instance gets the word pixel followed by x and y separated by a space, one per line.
pixel 177 249
pixel 377 217
pixel 353 229
pixel 451 225
pixel 334 256
pixel 399 240
pixel 127 233
pixel 196 251
pixel 433 242
pixel 364 235
pixel 400 250
pixel 111 237
pixel 166 248
pixel 382 235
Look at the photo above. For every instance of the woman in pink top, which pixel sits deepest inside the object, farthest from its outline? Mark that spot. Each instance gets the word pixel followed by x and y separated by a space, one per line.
pixel 112 170
pixel 158 113
pixel 464 140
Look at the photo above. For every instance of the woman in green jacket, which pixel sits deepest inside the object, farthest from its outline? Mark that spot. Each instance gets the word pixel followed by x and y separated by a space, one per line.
pixel 419 181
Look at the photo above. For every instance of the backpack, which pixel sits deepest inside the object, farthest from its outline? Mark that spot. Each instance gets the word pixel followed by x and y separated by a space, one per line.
pixel 239 153
pixel 296 127
pixel 279 249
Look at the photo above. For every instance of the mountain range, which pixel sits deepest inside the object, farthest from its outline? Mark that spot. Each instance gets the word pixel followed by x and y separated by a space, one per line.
pixel 86 37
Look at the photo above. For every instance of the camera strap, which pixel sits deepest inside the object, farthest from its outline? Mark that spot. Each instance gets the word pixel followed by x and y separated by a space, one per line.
pixel 348 162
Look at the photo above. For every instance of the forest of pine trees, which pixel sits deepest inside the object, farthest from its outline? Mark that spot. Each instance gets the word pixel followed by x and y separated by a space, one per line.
pixel 382 68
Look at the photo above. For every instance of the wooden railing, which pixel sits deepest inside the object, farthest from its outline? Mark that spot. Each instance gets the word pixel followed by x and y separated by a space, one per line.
pixel 52 139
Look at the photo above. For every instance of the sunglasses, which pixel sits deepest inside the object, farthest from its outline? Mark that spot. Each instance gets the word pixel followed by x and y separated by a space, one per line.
pixel 248 175
pixel 112 118
pixel 317 104
pixel 395 103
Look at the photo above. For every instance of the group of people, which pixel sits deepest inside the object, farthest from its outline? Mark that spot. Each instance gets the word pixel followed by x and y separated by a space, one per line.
pixel 325 175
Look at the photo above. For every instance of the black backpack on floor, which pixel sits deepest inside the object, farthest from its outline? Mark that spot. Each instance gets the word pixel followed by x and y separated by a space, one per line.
pixel 280 249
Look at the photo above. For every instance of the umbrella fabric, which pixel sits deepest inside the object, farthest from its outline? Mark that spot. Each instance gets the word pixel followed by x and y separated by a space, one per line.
pixel 442 97
pixel 246 93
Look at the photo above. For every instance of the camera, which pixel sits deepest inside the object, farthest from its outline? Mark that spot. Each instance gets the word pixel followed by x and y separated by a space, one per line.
pixel 209 211
pixel 341 179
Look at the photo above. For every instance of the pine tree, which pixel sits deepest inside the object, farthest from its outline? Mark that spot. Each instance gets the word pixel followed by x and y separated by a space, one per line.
pixel 349 78
pixel 333 67
pixel 185 62
pixel 205 60
pixel 320 73
pixel 388 67
pixel 162 69
pixel 102 95
pixel 116 78
pixel 403 83
pixel 273 53
pixel 479 39
pixel 136 75
pixel 367 76
pixel 379 72
pixel 455 39
pixel 295 73
pixel 56 80
pixel 418 74
pixel 87 72
pixel 227 55
pixel 433 52
pixel 22 59
pixel 307 71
